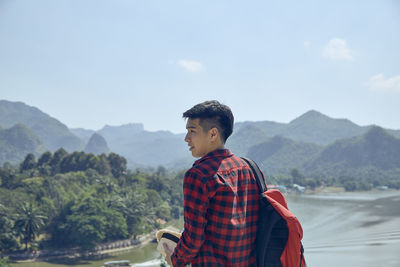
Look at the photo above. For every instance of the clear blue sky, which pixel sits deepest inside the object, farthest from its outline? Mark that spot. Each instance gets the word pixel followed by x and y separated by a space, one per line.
pixel 91 63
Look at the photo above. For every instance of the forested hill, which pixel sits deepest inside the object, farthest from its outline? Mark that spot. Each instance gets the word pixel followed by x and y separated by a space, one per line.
pixel 372 154
pixel 52 132
pixel 17 141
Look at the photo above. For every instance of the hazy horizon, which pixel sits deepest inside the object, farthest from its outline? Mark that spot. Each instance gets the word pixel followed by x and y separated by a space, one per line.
pixel 183 122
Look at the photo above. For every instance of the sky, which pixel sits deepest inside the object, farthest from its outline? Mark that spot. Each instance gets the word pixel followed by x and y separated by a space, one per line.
pixel 92 63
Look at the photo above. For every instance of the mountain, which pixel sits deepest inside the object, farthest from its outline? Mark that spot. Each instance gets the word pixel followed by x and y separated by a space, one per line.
pixel 271 128
pixel 124 131
pixel 280 154
pixel 97 145
pixel 16 142
pixel 311 127
pixel 148 148
pixel 52 132
pixel 316 127
pixel 376 150
pixel 313 143
pixel 143 148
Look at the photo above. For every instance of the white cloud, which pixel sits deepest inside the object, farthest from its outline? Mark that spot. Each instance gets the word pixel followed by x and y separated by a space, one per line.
pixel 336 49
pixel 191 65
pixel 380 83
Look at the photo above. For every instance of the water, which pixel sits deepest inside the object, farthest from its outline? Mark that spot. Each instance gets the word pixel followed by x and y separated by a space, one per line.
pixel 343 229
pixel 137 255
pixel 350 229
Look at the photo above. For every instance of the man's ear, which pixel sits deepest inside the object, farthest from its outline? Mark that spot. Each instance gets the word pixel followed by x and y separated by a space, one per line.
pixel 214 133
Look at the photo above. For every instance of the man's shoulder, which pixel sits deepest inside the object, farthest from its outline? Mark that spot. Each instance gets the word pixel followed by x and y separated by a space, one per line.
pixel 212 165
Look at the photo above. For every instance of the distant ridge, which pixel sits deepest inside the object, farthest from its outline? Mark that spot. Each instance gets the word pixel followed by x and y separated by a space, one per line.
pixel 310 142
pixel 52 132
pixel 121 132
pixel 143 148
pixel 310 127
pixel 316 127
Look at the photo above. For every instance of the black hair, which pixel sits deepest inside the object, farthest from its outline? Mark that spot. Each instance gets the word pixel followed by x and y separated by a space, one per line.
pixel 213 114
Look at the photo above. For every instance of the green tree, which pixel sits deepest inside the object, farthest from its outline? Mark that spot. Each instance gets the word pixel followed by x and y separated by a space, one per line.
pixel 104 166
pixel 90 221
pixel 116 227
pixel 8 238
pixel 175 212
pixel 311 183
pixel 29 222
pixel 45 158
pixel 69 163
pixel 298 178
pixel 156 183
pixel 56 160
pixel 350 186
pixel 43 164
pixel 117 164
pixel 28 163
pixel 85 225
pixel 161 171
pixel 164 211
pixel 134 211
pixel 108 185
pixel 7 177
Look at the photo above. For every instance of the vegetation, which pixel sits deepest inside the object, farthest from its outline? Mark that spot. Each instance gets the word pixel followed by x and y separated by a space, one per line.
pixel 358 163
pixel 361 180
pixel 77 199
pixel 80 199
pixel 4 262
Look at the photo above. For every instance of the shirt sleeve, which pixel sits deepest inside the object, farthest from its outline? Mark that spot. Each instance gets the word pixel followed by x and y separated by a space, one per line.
pixel 196 203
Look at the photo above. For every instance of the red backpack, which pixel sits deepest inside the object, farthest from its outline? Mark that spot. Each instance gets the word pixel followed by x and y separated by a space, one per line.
pixel 279 232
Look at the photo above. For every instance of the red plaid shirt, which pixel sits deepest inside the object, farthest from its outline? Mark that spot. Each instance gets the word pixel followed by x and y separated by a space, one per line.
pixel 220 210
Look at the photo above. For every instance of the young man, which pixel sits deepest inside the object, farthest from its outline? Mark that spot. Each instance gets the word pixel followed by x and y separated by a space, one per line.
pixel 220 195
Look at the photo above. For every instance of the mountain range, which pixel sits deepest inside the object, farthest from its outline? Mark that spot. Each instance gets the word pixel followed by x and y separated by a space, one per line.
pixel 313 143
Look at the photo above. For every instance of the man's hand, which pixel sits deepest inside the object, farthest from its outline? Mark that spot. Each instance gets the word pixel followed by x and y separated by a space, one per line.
pixel 169 252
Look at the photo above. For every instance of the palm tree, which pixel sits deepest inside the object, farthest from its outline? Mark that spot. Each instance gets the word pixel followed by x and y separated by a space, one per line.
pixel 29 222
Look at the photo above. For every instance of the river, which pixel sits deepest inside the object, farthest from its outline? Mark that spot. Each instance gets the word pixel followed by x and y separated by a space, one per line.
pixel 340 229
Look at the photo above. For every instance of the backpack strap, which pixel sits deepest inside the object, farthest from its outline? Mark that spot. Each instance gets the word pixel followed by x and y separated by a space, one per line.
pixel 302 259
pixel 263 188
pixel 262 185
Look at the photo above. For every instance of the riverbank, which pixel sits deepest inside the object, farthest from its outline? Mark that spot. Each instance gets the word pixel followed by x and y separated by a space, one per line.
pixel 98 252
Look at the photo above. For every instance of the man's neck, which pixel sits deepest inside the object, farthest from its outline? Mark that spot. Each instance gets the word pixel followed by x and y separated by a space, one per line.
pixel 216 147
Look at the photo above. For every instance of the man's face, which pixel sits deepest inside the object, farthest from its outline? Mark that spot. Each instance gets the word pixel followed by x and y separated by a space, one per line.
pixel 197 139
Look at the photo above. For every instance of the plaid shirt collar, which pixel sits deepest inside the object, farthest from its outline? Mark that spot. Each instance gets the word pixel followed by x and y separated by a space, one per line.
pixel 224 153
